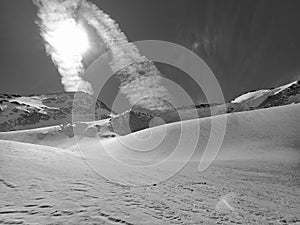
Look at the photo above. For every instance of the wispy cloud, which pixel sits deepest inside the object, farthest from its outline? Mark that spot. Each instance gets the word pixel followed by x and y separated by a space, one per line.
pixel 54 17
pixel 140 79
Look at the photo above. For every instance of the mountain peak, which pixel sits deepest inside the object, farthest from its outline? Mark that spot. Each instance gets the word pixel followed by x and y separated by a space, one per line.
pixel 283 95
pixel 26 112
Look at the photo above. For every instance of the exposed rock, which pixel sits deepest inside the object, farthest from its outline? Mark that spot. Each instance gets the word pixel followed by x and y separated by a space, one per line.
pixel 27 112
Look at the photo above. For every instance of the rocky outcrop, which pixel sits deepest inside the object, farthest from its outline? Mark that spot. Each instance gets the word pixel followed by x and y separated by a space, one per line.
pixel 27 112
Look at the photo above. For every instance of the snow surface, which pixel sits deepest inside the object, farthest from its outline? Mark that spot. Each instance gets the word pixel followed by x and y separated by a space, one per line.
pixel 246 132
pixel 255 179
pixel 280 89
pixel 33 101
pixel 250 95
pixel 255 98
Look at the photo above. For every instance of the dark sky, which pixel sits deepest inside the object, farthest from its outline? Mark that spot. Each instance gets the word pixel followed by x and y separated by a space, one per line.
pixel 258 46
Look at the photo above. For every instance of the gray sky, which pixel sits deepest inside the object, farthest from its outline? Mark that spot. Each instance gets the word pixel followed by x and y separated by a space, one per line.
pixel 26 69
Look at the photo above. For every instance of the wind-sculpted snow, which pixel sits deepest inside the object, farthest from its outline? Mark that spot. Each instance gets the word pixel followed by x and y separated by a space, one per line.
pixel 270 134
pixel 42 185
pixel 284 95
pixel 254 179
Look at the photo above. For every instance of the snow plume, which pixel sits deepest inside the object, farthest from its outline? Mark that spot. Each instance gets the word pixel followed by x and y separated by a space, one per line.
pixel 140 79
pixel 60 31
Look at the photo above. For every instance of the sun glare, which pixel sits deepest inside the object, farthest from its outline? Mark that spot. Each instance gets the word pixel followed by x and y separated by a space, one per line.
pixel 70 38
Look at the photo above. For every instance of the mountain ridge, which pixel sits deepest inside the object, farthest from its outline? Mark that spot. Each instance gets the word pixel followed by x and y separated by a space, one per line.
pixel 26 112
pixel 33 111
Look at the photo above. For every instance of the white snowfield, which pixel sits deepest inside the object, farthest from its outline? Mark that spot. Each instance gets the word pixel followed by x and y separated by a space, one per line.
pixel 255 98
pixel 254 179
pixel 270 130
pixel 255 95
pixel 33 101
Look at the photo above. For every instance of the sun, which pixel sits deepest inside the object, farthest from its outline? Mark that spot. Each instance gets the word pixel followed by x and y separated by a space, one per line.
pixel 69 38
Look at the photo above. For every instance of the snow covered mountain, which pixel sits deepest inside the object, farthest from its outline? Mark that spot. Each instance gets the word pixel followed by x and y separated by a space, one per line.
pixel 284 95
pixel 254 179
pixel 27 112
pixel 138 119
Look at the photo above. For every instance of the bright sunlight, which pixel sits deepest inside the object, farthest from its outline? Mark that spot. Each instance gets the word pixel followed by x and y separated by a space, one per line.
pixel 69 38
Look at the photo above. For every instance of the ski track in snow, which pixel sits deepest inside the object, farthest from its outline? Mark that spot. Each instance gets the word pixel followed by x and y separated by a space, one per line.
pixel 43 185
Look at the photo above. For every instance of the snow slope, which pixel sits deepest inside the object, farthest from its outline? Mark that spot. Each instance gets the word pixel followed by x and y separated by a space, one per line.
pixel 286 94
pixel 246 132
pixel 58 136
pixel 270 135
pixel 254 181
pixel 48 136
pixel 270 129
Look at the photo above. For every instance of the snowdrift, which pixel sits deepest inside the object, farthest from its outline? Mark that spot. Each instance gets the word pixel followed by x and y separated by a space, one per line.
pixel 279 96
pixel 152 155
pixel 49 136
pixel 271 133
pixel 266 135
